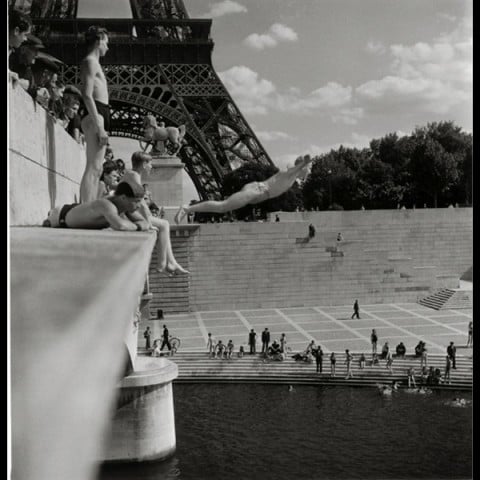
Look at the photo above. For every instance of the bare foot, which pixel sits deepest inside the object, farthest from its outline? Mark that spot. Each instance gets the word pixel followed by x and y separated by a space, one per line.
pixel 172 269
pixel 179 216
pixel 176 269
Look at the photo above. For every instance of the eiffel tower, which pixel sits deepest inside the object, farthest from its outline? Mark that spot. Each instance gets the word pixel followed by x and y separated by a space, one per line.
pixel 159 62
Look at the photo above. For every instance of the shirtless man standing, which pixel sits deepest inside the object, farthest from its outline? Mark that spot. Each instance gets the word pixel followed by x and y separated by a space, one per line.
pixel 166 263
pixel 117 212
pixel 251 193
pixel 96 122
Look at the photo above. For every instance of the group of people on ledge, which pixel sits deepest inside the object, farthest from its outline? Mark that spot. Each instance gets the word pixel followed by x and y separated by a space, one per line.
pixel 37 73
pixel 106 202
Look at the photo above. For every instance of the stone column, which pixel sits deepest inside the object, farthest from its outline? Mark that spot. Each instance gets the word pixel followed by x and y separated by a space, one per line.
pixel 143 427
pixel 166 184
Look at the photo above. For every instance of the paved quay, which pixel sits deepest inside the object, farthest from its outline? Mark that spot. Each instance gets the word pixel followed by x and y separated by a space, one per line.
pixel 330 326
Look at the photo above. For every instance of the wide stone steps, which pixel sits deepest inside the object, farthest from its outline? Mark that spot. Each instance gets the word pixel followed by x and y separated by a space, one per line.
pixel 448 299
pixel 197 367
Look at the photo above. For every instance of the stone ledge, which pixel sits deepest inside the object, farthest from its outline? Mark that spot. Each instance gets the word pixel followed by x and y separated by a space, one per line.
pixel 73 296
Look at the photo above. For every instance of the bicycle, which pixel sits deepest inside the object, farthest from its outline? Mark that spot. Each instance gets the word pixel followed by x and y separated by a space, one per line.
pixel 174 344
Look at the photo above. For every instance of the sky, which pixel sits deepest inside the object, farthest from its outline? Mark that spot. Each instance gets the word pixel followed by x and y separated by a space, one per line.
pixel 311 75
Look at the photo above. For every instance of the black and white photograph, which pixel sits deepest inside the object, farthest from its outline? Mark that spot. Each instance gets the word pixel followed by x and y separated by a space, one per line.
pixel 240 239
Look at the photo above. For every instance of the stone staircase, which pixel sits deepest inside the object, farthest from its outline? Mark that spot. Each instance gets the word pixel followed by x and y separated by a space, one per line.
pixel 172 294
pixel 448 299
pixel 197 367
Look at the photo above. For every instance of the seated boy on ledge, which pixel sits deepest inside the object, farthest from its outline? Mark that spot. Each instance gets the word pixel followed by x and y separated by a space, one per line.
pixel 117 212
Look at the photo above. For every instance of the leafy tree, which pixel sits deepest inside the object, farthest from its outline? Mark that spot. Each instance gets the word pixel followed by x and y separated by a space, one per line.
pixel 434 170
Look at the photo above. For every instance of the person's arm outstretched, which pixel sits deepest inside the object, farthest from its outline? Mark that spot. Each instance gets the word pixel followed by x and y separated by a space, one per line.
pixel 111 215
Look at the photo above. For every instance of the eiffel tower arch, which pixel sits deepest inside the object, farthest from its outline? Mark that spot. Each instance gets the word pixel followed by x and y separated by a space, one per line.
pixel 159 62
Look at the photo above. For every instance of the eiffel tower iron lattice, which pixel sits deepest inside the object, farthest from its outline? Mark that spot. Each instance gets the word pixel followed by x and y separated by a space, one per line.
pixel 159 62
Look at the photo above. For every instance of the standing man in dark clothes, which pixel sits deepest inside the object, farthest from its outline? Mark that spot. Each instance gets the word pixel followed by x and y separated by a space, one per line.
pixel 146 334
pixel 252 341
pixel 165 340
pixel 356 310
pixel 265 340
pixel 452 351
pixel 319 359
pixel 374 340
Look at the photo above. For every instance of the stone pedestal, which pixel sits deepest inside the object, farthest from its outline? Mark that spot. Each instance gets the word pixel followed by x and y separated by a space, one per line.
pixel 165 181
pixel 143 427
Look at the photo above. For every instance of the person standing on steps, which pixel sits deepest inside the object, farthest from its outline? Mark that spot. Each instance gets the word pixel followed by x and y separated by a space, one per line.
pixel 252 341
pixel 96 118
pixel 374 340
pixel 470 334
pixel 147 334
pixel 319 358
pixel 165 339
pixel 210 345
pixel 452 352
pixel 333 363
pixel 265 341
pixel 356 310
pixel 348 361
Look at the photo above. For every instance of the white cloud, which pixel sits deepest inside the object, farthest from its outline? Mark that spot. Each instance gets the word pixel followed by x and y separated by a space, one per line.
pixel 223 8
pixel 348 115
pixel 252 93
pixel 256 95
pixel 273 136
pixel 424 77
pixel 276 33
pixel 283 33
pixel 376 48
pixel 259 42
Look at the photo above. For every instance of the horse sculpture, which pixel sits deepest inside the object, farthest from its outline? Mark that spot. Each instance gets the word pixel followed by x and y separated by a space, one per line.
pixel 157 135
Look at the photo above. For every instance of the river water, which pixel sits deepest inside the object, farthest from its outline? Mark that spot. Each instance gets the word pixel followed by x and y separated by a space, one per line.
pixel 249 432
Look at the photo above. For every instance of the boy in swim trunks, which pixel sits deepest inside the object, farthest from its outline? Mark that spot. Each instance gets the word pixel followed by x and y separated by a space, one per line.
pixel 117 212
pixel 166 263
pixel 96 120
pixel 252 193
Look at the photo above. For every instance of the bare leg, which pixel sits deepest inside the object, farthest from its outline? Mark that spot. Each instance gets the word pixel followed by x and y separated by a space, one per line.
pixel 234 202
pixel 166 262
pixel 282 181
pixel 95 157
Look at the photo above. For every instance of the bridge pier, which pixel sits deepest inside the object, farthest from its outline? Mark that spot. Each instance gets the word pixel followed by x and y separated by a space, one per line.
pixel 143 426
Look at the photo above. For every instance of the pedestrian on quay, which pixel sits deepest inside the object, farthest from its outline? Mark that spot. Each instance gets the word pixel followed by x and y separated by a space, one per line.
pixel 448 366
pixel 265 341
pixel 252 341
pixel 356 310
pixel 333 362
pixel 210 345
pixel 146 335
pixel 165 339
pixel 374 340
pixel 283 345
pixel 319 358
pixel 470 334
pixel 348 361
pixel 452 352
